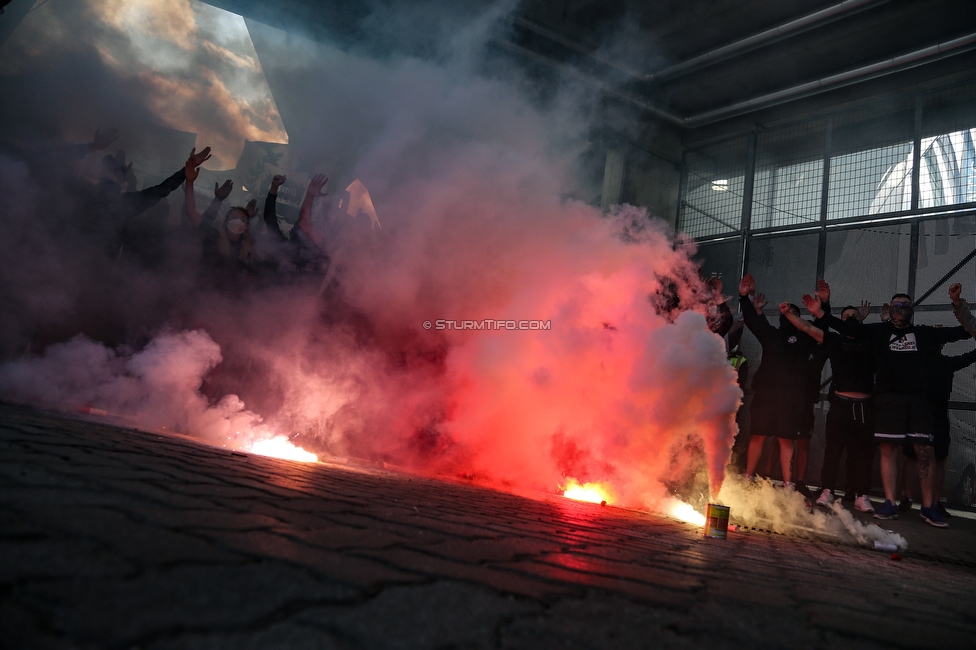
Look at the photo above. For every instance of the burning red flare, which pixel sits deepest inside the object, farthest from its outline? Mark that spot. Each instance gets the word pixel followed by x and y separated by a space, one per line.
pixel 591 492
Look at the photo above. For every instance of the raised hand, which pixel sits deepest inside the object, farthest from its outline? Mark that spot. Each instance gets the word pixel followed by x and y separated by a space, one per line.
pixel 252 207
pixel 955 292
pixel 747 285
pixel 191 169
pixel 104 138
pixel 864 309
pixel 813 304
pixel 221 192
pixel 823 291
pixel 199 158
pixel 277 182
pixel 759 302
pixel 784 307
pixel 315 186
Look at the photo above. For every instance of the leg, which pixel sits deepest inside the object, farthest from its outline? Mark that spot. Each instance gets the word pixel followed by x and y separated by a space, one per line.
pixel 802 453
pixel 771 453
pixel 938 479
pixel 785 458
pixel 860 459
pixel 889 469
pixel 753 454
pixel 909 478
pixel 833 447
pixel 926 458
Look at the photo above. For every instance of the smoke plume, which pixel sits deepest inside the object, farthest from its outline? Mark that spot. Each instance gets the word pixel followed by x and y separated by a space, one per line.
pixel 472 178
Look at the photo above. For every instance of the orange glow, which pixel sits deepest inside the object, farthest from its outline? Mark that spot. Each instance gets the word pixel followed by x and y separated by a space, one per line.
pixel 684 512
pixel 280 447
pixel 591 492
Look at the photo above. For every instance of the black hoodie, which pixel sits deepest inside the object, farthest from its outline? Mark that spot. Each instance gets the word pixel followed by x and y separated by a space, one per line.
pixel 786 352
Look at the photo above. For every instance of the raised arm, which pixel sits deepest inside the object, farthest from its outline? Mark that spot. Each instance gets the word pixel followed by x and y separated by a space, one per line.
pixel 191 171
pixel 271 206
pixel 959 362
pixel 809 329
pixel 825 320
pixel 757 324
pixel 138 202
pixel 312 192
pixel 960 309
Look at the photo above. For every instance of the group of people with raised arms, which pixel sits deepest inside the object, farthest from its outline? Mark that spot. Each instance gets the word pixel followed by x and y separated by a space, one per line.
pixel 890 388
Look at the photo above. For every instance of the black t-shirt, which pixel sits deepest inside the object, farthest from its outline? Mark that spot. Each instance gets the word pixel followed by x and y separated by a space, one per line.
pixel 851 363
pixel 906 360
pixel 786 353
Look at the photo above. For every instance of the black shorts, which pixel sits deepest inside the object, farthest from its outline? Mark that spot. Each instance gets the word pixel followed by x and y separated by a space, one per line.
pixel 902 418
pixel 779 414
pixel 941 445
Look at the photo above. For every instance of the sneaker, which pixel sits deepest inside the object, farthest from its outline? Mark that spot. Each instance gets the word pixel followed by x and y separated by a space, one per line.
pixel 932 517
pixel 863 503
pixel 942 510
pixel 826 498
pixel 905 505
pixel 887 510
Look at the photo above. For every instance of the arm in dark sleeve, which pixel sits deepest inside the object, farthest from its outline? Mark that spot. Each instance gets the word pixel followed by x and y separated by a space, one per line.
pixel 271 215
pixel 138 202
pixel 757 324
pixel 951 334
pixel 961 361
pixel 849 327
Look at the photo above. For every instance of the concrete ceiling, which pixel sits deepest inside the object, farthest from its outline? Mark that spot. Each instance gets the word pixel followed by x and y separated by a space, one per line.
pixel 690 63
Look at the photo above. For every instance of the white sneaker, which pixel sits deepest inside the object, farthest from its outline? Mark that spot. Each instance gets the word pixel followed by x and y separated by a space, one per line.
pixel 826 498
pixel 863 503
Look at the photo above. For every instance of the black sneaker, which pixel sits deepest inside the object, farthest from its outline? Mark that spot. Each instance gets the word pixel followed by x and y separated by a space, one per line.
pixel 943 511
pixel 905 505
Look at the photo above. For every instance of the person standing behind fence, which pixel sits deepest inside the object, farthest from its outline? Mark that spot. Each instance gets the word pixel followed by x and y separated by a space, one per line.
pixel 780 383
pixel 850 420
pixel 906 357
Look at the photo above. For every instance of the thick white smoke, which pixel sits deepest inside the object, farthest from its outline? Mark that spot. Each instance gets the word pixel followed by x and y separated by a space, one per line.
pixel 470 175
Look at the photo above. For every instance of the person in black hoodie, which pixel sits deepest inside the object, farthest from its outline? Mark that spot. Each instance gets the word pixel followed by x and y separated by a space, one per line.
pixel 780 384
pixel 906 364
pixel 850 420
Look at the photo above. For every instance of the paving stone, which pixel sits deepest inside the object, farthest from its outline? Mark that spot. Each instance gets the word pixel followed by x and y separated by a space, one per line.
pixel 38 559
pixel 116 538
pixel 285 636
pixel 350 569
pixel 445 614
pixel 126 612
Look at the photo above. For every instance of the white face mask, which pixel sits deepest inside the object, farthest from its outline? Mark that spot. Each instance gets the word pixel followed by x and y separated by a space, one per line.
pixel 236 226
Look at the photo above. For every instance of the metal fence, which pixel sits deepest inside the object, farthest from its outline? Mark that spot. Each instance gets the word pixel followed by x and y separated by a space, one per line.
pixel 878 199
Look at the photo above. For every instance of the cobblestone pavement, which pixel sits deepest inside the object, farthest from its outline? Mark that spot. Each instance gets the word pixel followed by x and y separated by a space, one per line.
pixel 115 538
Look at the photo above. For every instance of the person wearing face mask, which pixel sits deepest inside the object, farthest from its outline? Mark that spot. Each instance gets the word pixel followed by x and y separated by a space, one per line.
pixel 228 247
pixel 906 358
pixel 780 384
pixel 850 420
